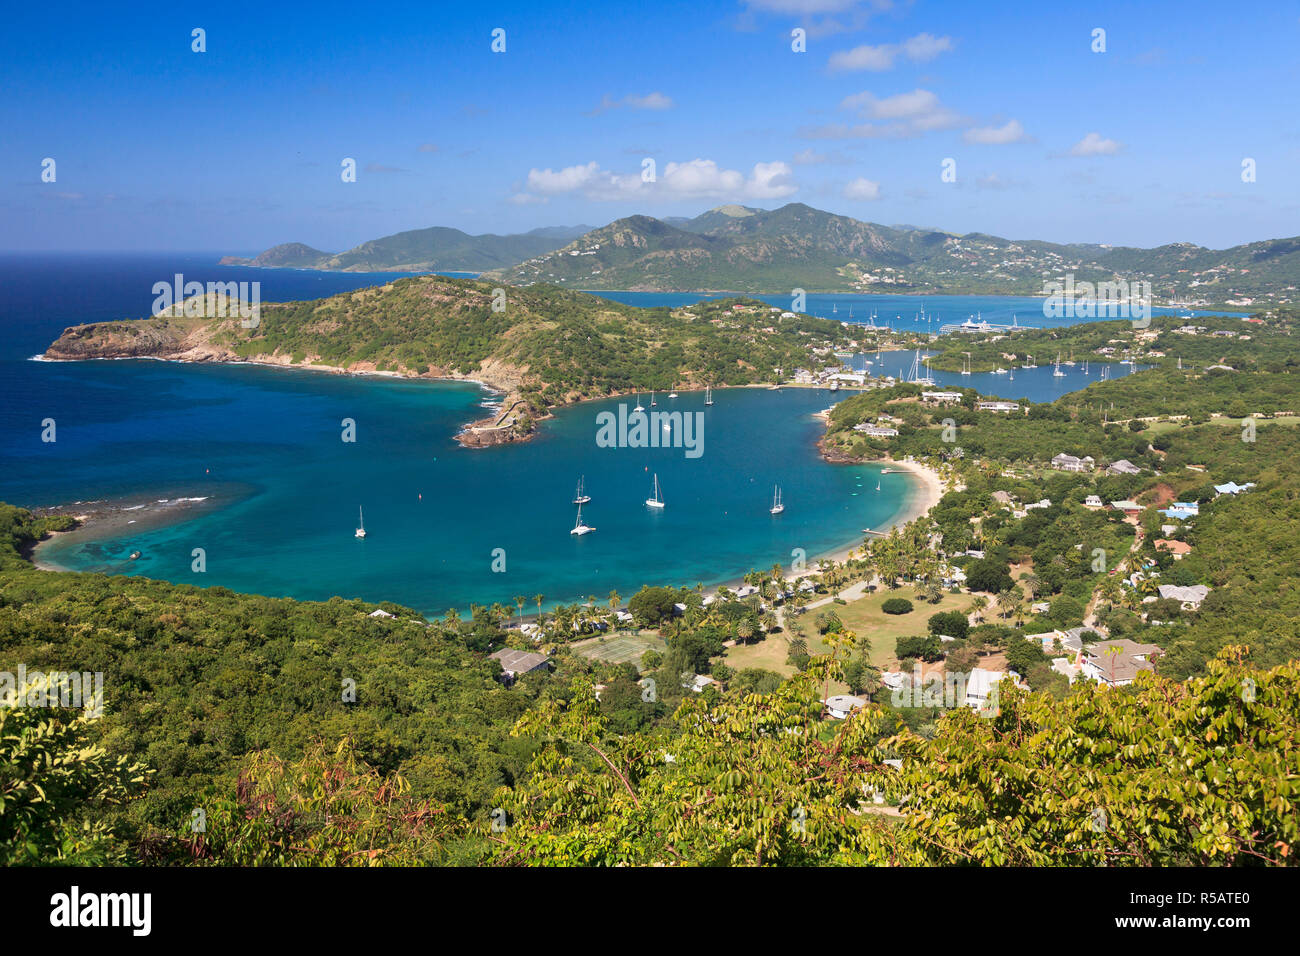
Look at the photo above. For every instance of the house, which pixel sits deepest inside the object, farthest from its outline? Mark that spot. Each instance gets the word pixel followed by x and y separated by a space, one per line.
pixel 1189 597
pixel 1176 548
pixel 875 431
pixel 1116 663
pixel 1093 501
pixel 894 680
pixel 841 705
pixel 516 663
pixel 975 553
pixel 1232 488
pixel 952 577
pixel 1064 462
pixel 1123 467
pixel 1002 497
pixel 1126 506
pixel 1189 506
pixel 698 683
pixel 998 406
pixel 1041 504
pixel 379 612
pixel 982 688
pixel 941 397
pixel 1040 607
pixel 1182 514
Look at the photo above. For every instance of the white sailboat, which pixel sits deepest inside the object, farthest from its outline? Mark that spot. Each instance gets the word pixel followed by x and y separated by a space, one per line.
pixel 672 394
pixel 581 498
pixel 579 527
pixel 361 523
pixel 1058 373
pixel 652 398
pixel 657 501
pixel 777 507
pixel 965 365
pixel 708 395
pixel 639 406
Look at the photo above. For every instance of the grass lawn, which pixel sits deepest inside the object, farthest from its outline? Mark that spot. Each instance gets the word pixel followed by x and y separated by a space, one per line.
pixel 864 617
pixel 769 654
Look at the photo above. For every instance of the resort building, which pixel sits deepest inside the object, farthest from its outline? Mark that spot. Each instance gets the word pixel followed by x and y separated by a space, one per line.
pixel 842 705
pixel 1116 663
pixel 515 663
pixel 875 431
pixel 998 406
pixel 1064 462
pixel 1093 501
pixel 1189 597
pixel 1123 467
pixel 1176 548
pixel 944 398
pixel 1232 488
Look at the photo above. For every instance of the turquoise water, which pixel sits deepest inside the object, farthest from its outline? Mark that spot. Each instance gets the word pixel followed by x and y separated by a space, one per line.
pixel 262 447
pixel 267 444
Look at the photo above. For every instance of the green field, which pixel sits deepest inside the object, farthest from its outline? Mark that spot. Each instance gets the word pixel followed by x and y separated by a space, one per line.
pixel 864 617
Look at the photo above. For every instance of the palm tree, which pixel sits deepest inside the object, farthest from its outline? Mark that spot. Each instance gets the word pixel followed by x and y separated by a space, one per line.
pixel 539 598
pixel 520 601
pixel 744 631
pixel 978 605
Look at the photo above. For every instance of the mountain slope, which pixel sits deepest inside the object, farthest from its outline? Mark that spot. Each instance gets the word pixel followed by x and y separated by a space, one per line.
pixel 796 246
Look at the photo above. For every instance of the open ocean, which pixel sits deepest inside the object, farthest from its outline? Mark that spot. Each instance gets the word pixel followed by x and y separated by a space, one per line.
pixel 281 490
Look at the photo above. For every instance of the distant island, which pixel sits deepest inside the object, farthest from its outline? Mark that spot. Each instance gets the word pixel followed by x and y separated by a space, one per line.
pixel 743 249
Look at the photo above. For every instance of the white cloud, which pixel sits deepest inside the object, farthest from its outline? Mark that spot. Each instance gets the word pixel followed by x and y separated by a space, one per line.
pixel 924 47
pixel 1095 145
pixel 905 114
pixel 651 101
pixel 866 57
pixel 919 49
pixel 548 181
pixel 428 147
pixel 695 179
pixel 1009 132
pixel 862 189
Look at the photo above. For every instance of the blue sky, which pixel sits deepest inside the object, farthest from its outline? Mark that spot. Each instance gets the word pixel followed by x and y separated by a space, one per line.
pixel 238 148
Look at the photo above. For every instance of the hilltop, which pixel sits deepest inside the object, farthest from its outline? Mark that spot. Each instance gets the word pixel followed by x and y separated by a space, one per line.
pixel 796 246
pixel 545 347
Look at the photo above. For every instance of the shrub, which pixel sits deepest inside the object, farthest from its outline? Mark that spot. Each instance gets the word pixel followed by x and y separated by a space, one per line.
pixel 897 606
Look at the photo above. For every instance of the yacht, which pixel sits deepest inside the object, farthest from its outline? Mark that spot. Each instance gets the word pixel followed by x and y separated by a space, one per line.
pixel 579 527
pixel 657 501
pixel 708 395
pixel 581 498
pixel 639 406
pixel 1058 373
pixel 361 523
pixel 777 507
pixel 672 394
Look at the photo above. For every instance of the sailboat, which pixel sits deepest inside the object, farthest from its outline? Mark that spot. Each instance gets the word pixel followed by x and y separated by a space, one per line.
pixel 657 501
pixel 708 395
pixel 965 365
pixel 581 498
pixel 652 398
pixel 579 527
pixel 1058 373
pixel 777 507
pixel 672 394
pixel 639 406
pixel 1030 363
pixel 361 523
pixel 877 484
